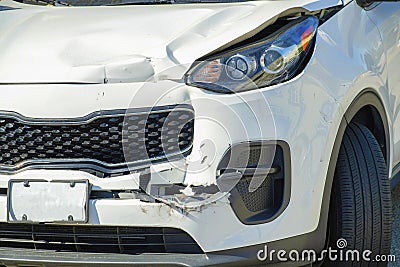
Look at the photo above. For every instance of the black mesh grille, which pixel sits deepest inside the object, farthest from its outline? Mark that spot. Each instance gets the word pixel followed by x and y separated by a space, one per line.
pixel 261 198
pixel 101 139
pixel 101 239
pixel 268 195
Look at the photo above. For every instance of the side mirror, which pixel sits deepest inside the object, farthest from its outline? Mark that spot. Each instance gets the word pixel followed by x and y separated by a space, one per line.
pixel 365 3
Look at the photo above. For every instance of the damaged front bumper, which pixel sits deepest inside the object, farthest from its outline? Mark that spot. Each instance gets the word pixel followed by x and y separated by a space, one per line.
pixel 184 192
pixel 178 193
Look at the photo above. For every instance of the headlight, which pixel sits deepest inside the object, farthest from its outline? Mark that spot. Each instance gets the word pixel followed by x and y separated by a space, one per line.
pixel 272 60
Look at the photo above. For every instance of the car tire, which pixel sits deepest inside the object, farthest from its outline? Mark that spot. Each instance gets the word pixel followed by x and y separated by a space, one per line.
pixel 360 208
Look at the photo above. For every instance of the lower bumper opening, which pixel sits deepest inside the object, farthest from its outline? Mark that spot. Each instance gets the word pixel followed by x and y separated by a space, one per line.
pixel 97 239
pixel 268 163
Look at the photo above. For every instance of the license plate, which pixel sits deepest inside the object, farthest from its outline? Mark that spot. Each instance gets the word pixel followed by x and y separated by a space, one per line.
pixel 48 201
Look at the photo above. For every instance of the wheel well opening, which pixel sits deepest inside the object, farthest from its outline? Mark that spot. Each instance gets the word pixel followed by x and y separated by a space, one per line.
pixel 367 110
pixel 369 116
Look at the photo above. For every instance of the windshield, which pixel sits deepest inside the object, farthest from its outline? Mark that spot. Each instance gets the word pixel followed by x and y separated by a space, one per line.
pixel 117 2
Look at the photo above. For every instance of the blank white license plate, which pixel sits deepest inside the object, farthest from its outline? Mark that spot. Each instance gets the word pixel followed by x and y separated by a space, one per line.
pixel 48 201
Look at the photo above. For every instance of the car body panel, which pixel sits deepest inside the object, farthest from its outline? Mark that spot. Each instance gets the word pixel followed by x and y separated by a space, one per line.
pixel 359 45
pixel 386 17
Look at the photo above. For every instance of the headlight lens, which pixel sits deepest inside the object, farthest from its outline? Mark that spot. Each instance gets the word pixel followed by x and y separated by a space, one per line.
pixel 270 61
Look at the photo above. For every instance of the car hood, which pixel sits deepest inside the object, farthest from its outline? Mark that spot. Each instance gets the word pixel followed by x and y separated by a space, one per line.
pixel 124 43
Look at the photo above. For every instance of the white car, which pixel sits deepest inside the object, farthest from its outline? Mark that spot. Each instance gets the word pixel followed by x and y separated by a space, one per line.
pixel 197 132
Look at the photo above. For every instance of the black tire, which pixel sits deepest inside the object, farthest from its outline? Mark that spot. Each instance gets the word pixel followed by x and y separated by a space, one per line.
pixel 360 209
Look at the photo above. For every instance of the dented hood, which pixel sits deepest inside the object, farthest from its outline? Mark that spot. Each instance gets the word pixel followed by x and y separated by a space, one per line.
pixel 123 43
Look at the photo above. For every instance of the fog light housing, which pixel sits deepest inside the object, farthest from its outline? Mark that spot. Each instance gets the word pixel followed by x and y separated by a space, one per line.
pixel 270 198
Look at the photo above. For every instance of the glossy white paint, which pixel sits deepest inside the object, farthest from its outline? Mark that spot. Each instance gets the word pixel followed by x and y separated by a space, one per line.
pixel 386 17
pixel 349 57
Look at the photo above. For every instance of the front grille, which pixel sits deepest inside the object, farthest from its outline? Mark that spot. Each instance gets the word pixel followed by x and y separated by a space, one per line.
pixel 97 239
pixel 107 139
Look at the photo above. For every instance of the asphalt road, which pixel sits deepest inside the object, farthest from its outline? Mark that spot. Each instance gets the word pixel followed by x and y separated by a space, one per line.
pixel 396 226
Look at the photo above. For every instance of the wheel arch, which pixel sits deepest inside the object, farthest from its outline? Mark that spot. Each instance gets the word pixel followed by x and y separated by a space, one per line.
pixel 368 110
pixel 367 103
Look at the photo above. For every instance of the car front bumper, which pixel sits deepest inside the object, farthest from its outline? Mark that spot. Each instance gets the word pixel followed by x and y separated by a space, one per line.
pixel 301 113
pixel 219 119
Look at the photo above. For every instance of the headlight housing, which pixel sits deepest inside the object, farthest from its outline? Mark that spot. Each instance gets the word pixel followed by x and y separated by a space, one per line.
pixel 272 60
